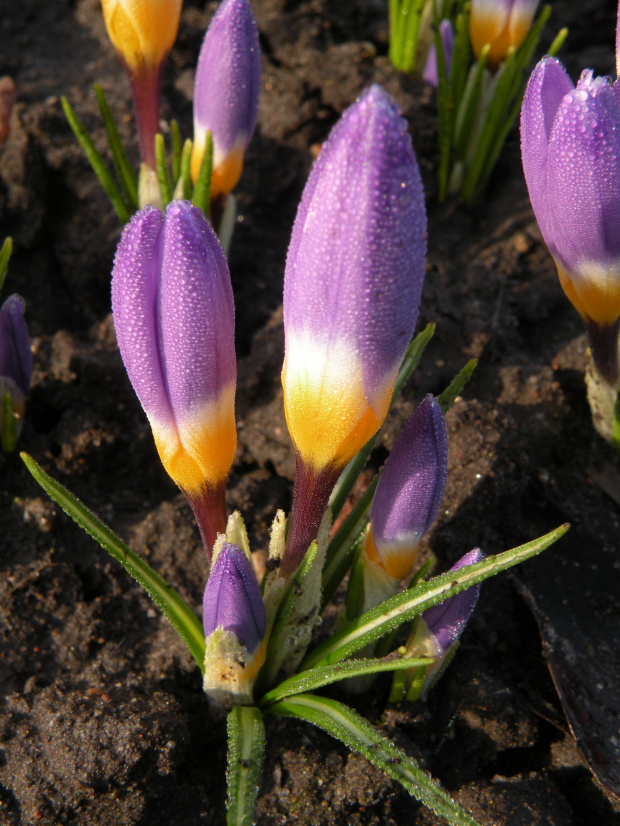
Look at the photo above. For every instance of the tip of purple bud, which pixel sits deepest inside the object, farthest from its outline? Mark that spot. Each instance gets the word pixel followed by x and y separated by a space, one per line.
pixel 15 351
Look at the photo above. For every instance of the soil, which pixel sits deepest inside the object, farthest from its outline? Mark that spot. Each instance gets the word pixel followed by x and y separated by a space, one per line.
pixel 102 715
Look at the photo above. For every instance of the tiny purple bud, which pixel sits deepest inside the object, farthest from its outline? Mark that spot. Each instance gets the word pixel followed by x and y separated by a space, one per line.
pixel 570 141
pixel 174 318
pixel 226 93
pixel 233 600
pixel 431 73
pixel 15 352
pixel 501 24
pixel 410 491
pixel 447 620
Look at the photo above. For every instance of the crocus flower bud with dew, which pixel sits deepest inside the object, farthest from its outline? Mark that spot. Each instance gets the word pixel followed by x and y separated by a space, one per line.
pixel 226 93
pixel 352 288
pixel 405 504
pixel 143 33
pixel 436 631
pixel 234 623
pixel 570 144
pixel 15 370
pixel 501 24
pixel 431 73
pixel 173 314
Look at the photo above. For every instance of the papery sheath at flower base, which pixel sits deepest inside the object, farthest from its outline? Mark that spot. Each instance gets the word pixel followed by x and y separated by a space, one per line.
pixel 570 143
pixel 226 93
pixel 234 623
pixel 143 33
pixel 15 368
pixel 352 287
pixel 405 504
pixel 174 319
pixel 501 24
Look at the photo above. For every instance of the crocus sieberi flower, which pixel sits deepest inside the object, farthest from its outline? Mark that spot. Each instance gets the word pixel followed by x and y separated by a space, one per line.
pixel 431 73
pixel 570 143
pixel 234 622
pixel 501 24
pixel 352 288
pixel 405 504
pixel 15 369
pixel 143 33
pixel 226 93
pixel 174 318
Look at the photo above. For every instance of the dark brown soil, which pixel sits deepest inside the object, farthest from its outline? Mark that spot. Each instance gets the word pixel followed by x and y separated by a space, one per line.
pixel 102 716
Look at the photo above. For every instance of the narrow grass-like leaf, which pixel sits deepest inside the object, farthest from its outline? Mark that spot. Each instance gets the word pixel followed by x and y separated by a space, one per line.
pixel 9 424
pixel 124 170
pixel 96 161
pixel 184 183
pixel 184 621
pixel 359 735
pixel 177 151
pixel 468 105
pixel 5 257
pixel 318 677
pixel 161 167
pixel 405 606
pixel 456 386
pixel 202 189
pixel 246 749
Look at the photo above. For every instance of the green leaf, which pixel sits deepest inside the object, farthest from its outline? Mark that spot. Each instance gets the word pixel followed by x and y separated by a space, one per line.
pixel 5 257
pixel 405 606
pixel 246 749
pixel 9 423
pixel 318 677
pixel 161 168
pixel 184 621
pixel 177 151
pixel 96 161
pixel 124 170
pixel 186 178
pixel 359 735
pixel 456 386
pixel 202 189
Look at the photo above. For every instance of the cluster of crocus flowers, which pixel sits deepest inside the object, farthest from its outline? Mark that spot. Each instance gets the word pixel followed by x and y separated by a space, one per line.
pixel 226 93
pixel 500 24
pixel 234 623
pixel 405 504
pixel 173 314
pixel 352 288
pixel 15 370
pixel 143 33
pixel 570 141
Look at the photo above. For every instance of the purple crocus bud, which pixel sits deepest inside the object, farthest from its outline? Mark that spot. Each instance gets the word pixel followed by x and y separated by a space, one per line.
pixel 226 93
pixel 352 288
pixel 15 367
pixel 431 73
pixel 447 620
pixel 409 492
pixel 233 600
pixel 570 143
pixel 501 24
pixel 174 318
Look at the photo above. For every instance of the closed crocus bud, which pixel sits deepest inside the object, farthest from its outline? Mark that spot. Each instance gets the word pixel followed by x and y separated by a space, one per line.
pixel 352 288
pixel 234 623
pixel 174 318
pixel 404 506
pixel 15 370
pixel 431 73
pixel 226 93
pixel 570 143
pixel 501 24
pixel 143 33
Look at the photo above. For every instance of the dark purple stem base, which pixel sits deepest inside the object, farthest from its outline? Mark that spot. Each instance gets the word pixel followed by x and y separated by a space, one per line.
pixel 604 346
pixel 209 506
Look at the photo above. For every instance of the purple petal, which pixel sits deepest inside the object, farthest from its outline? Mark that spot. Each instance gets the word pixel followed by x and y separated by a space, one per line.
pixel 227 86
pixel 545 90
pixel 233 600
pixel 448 619
pixel 431 74
pixel 15 352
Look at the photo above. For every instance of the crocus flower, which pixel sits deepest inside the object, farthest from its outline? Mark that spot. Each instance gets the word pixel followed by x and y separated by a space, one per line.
pixel 352 289
pixel 174 318
pixel 431 73
pixel 501 24
pixel 570 142
pixel 234 622
pixel 405 504
pixel 226 93
pixel 15 367
pixel 143 32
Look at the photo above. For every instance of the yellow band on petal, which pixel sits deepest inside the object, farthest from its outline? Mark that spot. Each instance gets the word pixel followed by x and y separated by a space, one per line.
pixel 396 559
pixel 226 170
pixel 594 292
